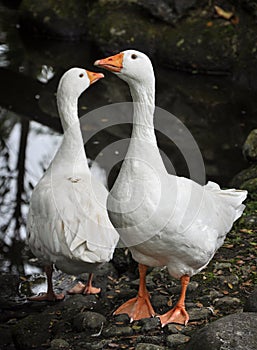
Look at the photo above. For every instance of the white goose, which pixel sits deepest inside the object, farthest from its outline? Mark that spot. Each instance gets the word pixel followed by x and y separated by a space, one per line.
pixel 68 224
pixel 166 220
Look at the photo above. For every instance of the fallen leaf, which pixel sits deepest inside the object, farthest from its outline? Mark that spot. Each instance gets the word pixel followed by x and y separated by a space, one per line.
pixel 230 285
pixel 209 24
pixel 113 345
pixel 229 246
pixel 198 304
pixel 222 13
pixel 225 292
pixel 169 302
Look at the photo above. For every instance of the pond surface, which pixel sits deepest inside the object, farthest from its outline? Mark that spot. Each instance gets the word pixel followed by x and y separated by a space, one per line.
pixel 215 109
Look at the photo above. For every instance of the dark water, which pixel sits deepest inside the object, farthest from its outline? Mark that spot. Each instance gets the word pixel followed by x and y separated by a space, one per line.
pixel 218 112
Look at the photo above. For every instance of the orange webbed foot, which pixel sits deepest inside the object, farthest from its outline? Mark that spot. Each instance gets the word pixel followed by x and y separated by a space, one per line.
pixel 47 297
pixel 176 315
pixel 81 288
pixel 137 308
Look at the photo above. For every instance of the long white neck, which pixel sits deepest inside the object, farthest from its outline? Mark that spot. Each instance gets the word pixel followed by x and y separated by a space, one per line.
pixel 72 148
pixel 144 105
pixel 68 109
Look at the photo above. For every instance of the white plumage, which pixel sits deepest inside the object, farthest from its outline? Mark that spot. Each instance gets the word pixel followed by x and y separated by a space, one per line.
pixel 164 219
pixel 68 224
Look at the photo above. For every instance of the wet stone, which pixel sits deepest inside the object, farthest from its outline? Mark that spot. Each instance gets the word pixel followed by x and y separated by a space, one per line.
pixel 250 146
pixel 197 314
pixel 227 302
pixel 151 339
pixel 176 339
pixel 145 346
pixel 78 301
pixel 159 301
pixel 123 318
pixel 251 303
pixel 149 324
pixel 88 321
pixel 233 332
pixel 59 344
pixel 115 331
pixel 174 328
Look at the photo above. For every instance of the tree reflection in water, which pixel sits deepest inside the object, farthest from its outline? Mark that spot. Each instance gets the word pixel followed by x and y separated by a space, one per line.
pixel 17 179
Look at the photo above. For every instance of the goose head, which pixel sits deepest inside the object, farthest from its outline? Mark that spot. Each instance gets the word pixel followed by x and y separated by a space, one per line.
pixel 131 66
pixel 75 81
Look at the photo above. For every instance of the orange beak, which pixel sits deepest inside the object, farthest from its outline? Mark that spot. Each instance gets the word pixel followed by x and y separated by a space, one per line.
pixel 112 63
pixel 93 76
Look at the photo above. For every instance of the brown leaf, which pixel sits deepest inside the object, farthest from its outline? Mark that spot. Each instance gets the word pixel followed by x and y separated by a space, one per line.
pixel 222 13
pixel 169 302
pixel 209 24
pixel 229 246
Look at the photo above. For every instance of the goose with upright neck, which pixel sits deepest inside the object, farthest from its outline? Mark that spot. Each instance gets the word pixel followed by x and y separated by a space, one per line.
pixel 68 225
pixel 165 220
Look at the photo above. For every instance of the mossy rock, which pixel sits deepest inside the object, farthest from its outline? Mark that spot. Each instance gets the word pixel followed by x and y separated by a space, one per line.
pixel 251 187
pixel 244 175
pixel 33 331
pixel 190 45
pixel 61 18
pixel 250 146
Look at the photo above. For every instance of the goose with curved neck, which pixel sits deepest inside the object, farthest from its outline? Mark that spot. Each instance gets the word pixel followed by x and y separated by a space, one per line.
pixel 165 220
pixel 68 224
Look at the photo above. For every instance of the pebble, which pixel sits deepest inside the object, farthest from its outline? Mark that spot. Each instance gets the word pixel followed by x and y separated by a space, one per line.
pixel 88 320
pixel 115 331
pixel 251 302
pixel 197 314
pixel 145 346
pixel 59 344
pixel 149 324
pixel 123 318
pixel 227 302
pixel 177 339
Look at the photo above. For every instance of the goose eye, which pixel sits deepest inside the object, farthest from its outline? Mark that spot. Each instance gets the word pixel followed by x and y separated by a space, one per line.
pixel 81 75
pixel 133 56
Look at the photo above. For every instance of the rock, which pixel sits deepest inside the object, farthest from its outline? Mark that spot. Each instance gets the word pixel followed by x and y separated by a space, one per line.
pixel 6 341
pixel 251 302
pixel 59 344
pixel 149 324
pixel 227 302
pixel 250 147
pixel 174 340
pixel 197 314
pixel 145 346
pixel 243 176
pixel 173 328
pixel 8 291
pixel 114 331
pixel 122 318
pixel 168 10
pixel 32 331
pixel 65 19
pixel 233 332
pixel 88 321
pixel 251 187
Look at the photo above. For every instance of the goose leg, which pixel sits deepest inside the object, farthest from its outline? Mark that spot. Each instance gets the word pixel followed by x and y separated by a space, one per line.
pixel 140 306
pixel 81 288
pixel 49 295
pixel 178 314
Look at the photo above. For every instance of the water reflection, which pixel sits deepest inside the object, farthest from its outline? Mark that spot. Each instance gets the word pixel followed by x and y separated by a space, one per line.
pixel 26 151
pixel 217 111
